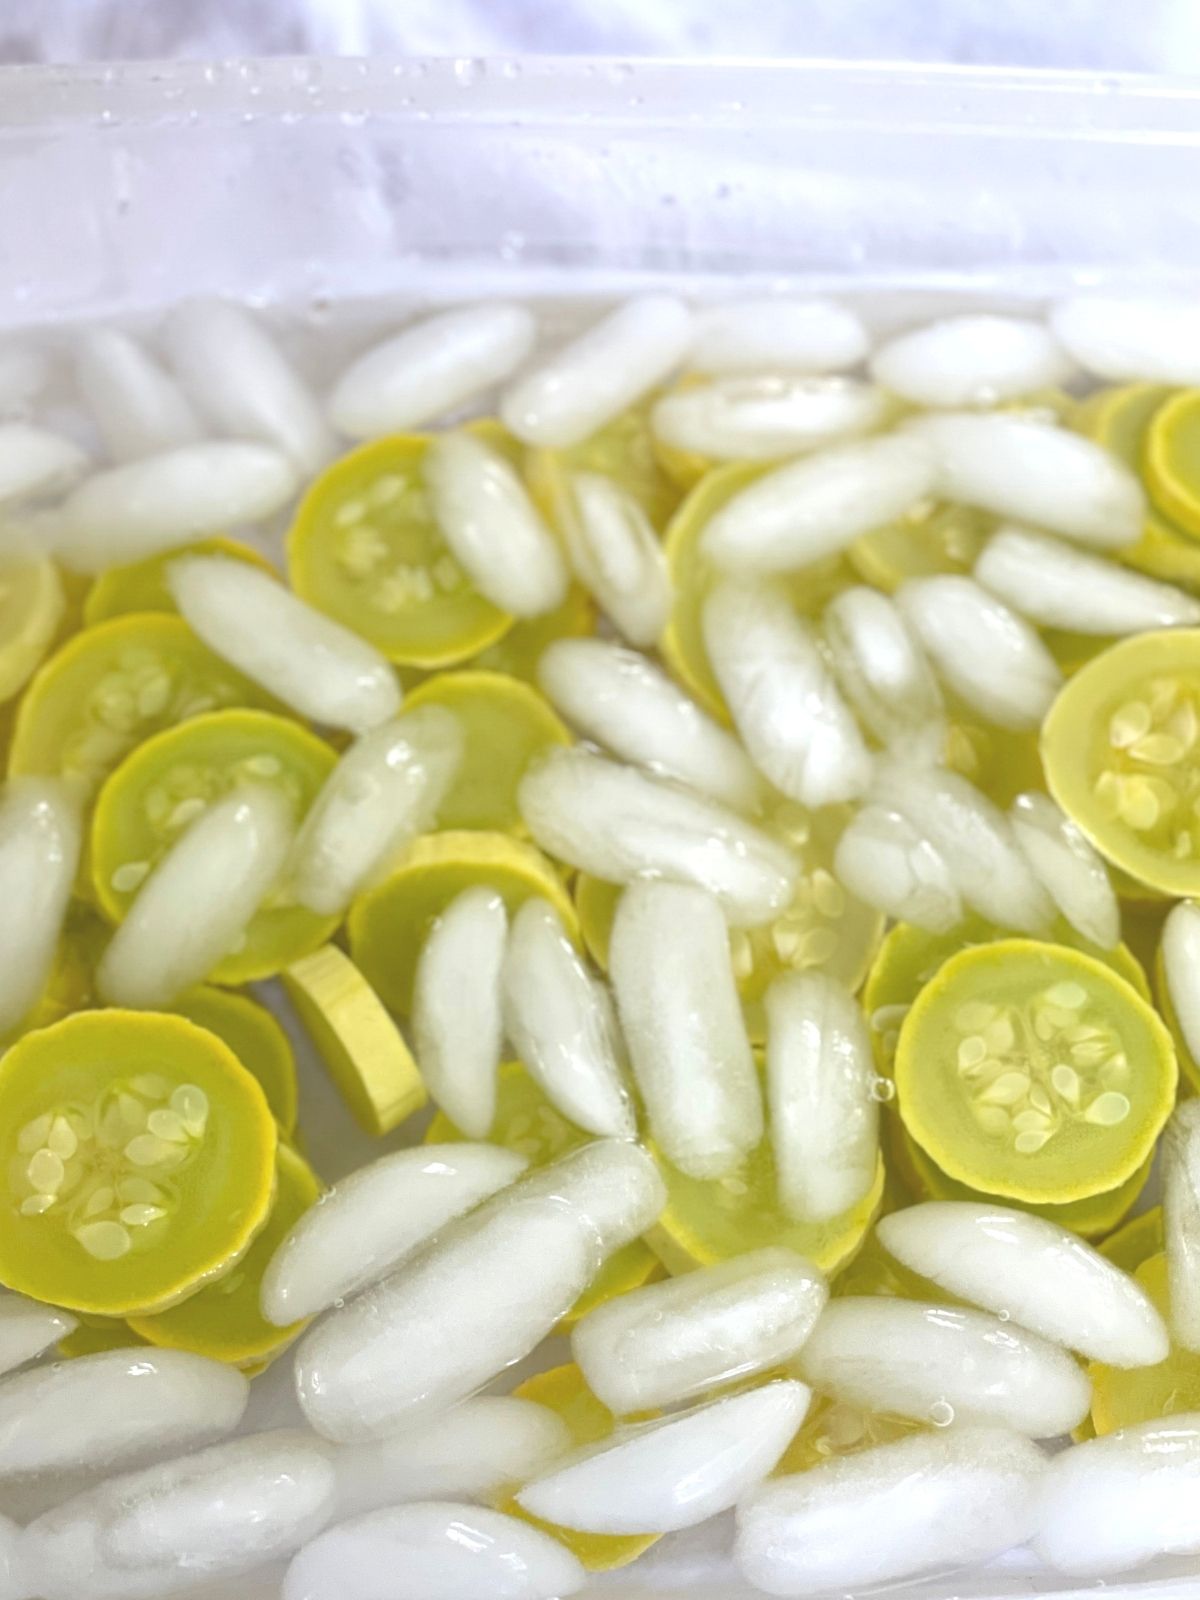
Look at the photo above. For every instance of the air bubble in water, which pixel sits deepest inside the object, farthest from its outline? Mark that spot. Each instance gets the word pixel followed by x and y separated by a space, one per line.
pixel 883 1090
pixel 941 1413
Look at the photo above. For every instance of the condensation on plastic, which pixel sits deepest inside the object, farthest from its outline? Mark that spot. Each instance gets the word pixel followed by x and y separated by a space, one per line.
pixel 299 184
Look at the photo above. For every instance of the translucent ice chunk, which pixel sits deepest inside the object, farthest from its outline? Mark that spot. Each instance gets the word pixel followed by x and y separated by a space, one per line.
pixel 782 696
pixel 617 556
pixel 25 371
pixel 1181 1216
pixel 765 416
pixel 815 507
pixel 369 1222
pixel 160 502
pixel 238 377
pixel 582 386
pixel 434 1550
pixel 883 859
pixel 430 368
pixel 138 408
pixel 779 333
pixel 923 1504
pixel 1033 472
pixel 624 702
pixel 678 1002
pixel 383 792
pixel 937 1364
pixel 971 361
pixel 27 1328
pixel 883 672
pixel 560 1022
pixel 110 1408
pixel 975 840
pixel 618 824
pixel 1032 1271
pixel 501 1278
pixel 492 526
pixel 1058 586
pixel 675 1472
pixel 988 655
pixel 475 1449
pixel 199 899
pixel 1113 1503
pixel 35 462
pixel 671 1341
pixel 1123 337
pixel 313 664
pixel 457 1001
pixel 1181 966
pixel 820 1080
pixel 1067 867
pixel 40 837
pixel 183 1523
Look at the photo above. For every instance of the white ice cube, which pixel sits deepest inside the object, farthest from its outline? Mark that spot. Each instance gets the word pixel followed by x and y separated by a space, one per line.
pixel 971 360
pixel 938 1364
pixel 28 1328
pixel 673 1473
pixel 882 670
pixel 35 463
pixel 618 824
pixel 764 416
pixel 369 1222
pixel 617 556
pixel 887 862
pixel 138 408
pixel 781 333
pixel 1127 337
pixel 678 1002
pixel 824 1117
pixel 434 1550
pixel 40 837
pixel 1034 1272
pixel 1067 867
pixel 1181 1219
pixel 784 701
pixel 936 1501
pixel 457 1007
pixel 560 1022
pixel 671 1341
pixel 1181 966
pixel 623 701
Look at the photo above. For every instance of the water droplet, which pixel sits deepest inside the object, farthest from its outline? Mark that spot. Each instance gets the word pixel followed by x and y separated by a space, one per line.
pixel 883 1090
pixel 941 1413
pixel 1004 1316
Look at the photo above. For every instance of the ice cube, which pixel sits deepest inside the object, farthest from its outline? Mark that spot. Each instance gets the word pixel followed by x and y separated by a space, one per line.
pixel 824 1117
pixel 1154 338
pixel 27 1328
pixel 883 672
pixel 884 860
pixel 560 1022
pixel 457 1000
pixel 434 1550
pixel 940 1364
pixel 113 1407
pixel 624 702
pixel 1181 967
pixel 924 1504
pixel 671 1341
pixel 673 1473
pixel 1181 1218
pixel 971 361
pixel 1032 1271
pixel 782 332
pixel 472 1451
pixel 765 416
pixel 617 555
pixel 619 824
pixel 39 850
pixel 787 708
pixel 367 1224
pixel 138 408
pixel 1067 867
pixel 173 1527
pixel 679 1008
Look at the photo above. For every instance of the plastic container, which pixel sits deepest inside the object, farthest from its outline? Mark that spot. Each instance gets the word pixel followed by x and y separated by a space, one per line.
pixel 299 184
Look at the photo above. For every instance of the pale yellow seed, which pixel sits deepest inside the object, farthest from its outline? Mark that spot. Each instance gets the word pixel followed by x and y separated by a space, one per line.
pixel 1158 749
pixel 1107 789
pixel 139 1216
pixel 37 1204
pixel 1139 804
pixel 61 1139
pixel 1108 1109
pixel 1028 1144
pixel 993 1119
pixel 828 894
pixel 1184 724
pixel 99 1200
pixel 1072 996
pixel 34 1134
pixel 816 947
pixel 45 1172
pixel 190 1105
pixel 130 875
pixel 971 1051
pixel 1115 1070
pixel 105 1241
pixel 264 766
pixel 1040 1100
pixel 1006 1090
pixel 386 489
pixel 167 1125
pixel 133 1112
pixel 1030 1121
pixel 153 696
pixel 138 1191
pixel 151 1085
pixel 1065 1082
pixel 1129 724
pixel 1090 1053
pixel 148 1151
pixel 346 515
pixel 1000 1035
